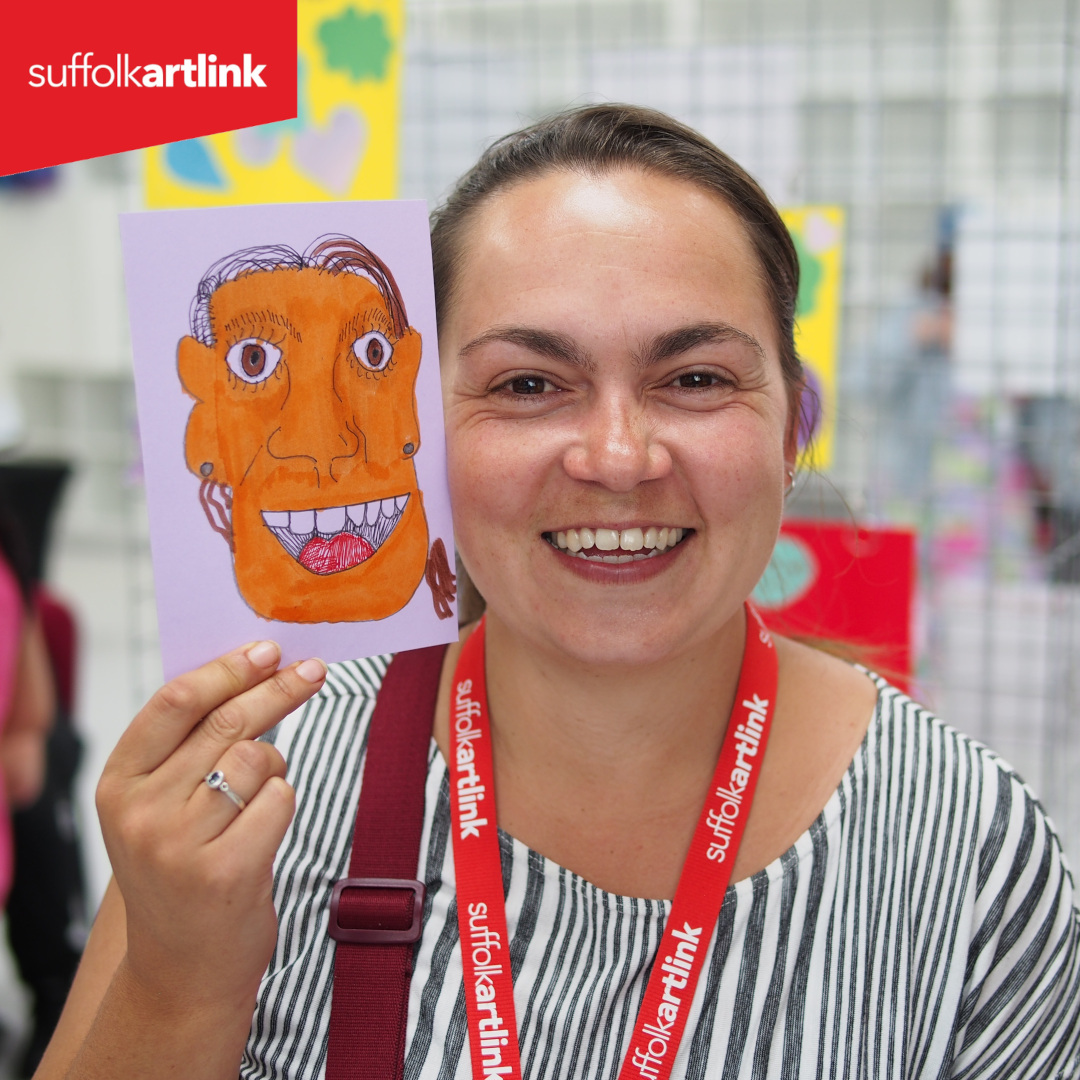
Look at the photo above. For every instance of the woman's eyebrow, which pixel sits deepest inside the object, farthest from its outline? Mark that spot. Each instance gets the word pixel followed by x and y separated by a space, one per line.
pixel 545 342
pixel 675 342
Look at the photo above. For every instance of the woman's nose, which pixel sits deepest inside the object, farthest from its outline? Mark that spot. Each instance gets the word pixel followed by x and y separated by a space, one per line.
pixel 617 447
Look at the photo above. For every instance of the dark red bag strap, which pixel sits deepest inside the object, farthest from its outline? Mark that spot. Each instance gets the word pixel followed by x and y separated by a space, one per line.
pixel 376 912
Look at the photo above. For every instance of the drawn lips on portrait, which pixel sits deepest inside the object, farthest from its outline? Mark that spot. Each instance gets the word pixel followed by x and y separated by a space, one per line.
pixel 328 541
pixel 304 431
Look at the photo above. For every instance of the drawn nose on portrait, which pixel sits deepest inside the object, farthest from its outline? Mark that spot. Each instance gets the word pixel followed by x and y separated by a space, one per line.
pixel 316 427
pixel 383 401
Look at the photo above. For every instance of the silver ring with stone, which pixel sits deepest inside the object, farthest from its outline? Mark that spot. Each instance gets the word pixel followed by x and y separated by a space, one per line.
pixel 217 781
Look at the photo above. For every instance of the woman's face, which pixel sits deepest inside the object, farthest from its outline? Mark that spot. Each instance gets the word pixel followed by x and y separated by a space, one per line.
pixel 611 375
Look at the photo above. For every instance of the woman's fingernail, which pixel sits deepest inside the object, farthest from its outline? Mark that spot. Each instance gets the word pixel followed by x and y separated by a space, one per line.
pixel 264 653
pixel 311 671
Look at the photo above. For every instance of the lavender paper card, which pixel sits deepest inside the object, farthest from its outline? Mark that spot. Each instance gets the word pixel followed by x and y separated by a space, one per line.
pixel 290 411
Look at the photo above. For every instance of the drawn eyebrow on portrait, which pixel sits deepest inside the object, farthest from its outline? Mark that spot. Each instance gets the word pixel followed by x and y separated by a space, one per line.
pixel 304 432
pixel 255 318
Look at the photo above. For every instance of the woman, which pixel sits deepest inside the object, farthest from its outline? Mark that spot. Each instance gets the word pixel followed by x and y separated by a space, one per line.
pixel 616 308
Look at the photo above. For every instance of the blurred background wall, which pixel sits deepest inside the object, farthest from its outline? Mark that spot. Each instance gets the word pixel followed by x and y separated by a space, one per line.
pixel 946 129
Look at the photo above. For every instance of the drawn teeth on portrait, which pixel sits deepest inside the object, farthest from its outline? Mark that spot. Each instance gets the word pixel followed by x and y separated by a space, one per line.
pixel 302 521
pixel 374 521
pixel 328 522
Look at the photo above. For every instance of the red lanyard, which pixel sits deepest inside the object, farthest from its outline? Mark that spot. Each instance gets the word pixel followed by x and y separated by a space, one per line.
pixel 489 992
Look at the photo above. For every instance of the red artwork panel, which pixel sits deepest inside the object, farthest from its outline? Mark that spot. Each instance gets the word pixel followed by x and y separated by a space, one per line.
pixel 849 585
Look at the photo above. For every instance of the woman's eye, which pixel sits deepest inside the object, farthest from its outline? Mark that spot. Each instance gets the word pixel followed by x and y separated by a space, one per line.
pixel 697 380
pixel 702 380
pixel 373 350
pixel 528 384
pixel 253 360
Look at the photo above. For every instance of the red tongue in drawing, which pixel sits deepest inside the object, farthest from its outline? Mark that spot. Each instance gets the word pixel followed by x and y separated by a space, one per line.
pixel 341 552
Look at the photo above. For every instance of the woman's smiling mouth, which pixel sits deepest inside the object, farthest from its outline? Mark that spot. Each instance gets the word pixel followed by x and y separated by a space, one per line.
pixel 602 545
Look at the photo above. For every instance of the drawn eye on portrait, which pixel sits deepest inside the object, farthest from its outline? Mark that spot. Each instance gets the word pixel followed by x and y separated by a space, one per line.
pixel 304 431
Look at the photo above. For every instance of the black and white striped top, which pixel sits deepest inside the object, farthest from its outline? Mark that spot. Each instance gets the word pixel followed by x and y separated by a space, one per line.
pixel 924 926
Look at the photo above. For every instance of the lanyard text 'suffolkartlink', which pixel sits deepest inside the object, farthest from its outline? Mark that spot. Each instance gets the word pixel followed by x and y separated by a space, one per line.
pixel 489 992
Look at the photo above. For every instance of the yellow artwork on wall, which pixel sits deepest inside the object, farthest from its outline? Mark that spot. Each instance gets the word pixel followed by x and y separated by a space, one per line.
pixel 818 232
pixel 343 143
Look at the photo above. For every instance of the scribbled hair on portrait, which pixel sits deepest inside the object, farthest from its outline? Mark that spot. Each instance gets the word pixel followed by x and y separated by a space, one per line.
pixel 334 254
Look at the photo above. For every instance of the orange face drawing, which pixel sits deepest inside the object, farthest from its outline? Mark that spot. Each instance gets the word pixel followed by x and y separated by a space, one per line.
pixel 303 369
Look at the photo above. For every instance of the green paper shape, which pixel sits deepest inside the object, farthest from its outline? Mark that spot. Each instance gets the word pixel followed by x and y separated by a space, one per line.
pixel 811 275
pixel 357 44
pixel 790 573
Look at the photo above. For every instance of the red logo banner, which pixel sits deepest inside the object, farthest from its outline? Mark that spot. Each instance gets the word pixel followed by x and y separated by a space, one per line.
pixel 81 80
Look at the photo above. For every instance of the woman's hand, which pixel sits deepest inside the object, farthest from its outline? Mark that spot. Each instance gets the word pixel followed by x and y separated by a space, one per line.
pixel 195 871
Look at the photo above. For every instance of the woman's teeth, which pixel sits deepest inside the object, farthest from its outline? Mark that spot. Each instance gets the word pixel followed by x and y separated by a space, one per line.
pixel 631 544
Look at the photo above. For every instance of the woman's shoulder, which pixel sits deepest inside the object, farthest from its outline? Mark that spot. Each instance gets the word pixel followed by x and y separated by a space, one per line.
pixel 987 880
pixel 923 760
pixel 904 785
pixel 967 823
pixel 888 751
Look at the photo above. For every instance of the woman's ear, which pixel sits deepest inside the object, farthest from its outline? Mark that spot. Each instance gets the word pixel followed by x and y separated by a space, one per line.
pixel 795 424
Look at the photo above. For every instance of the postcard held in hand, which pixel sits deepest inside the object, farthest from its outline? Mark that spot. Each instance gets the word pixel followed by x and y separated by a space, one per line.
pixel 290 413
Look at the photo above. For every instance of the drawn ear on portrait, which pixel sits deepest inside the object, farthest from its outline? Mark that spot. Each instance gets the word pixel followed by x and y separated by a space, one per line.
pixel 442 581
pixel 409 348
pixel 202 451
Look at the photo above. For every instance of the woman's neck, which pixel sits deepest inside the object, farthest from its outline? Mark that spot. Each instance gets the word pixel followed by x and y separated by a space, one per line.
pixel 613 722
pixel 604 769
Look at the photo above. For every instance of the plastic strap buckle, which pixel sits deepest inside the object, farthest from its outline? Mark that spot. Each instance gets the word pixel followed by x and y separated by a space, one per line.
pixel 377 935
